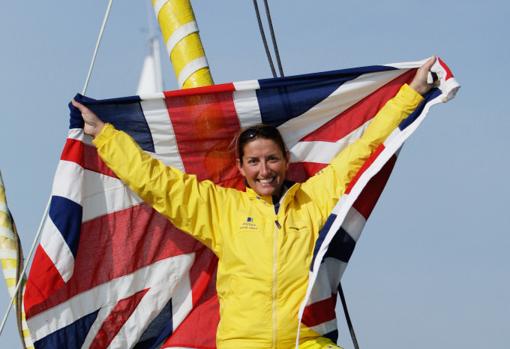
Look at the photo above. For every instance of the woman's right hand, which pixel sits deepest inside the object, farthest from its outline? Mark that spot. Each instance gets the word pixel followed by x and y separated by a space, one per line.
pixel 93 124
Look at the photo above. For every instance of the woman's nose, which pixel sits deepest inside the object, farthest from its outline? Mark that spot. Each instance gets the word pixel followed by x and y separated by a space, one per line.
pixel 264 169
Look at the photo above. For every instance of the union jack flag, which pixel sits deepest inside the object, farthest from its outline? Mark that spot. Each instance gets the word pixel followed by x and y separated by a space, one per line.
pixel 111 272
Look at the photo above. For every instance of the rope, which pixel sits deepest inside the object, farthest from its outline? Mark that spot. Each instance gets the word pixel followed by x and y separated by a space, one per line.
pixel 263 35
pixel 273 39
pixel 39 230
pixel 347 317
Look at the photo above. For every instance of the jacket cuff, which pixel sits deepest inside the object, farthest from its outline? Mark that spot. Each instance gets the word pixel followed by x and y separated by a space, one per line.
pixel 408 96
pixel 104 136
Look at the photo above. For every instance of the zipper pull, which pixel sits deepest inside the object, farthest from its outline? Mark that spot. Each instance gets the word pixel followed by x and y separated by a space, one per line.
pixel 277 224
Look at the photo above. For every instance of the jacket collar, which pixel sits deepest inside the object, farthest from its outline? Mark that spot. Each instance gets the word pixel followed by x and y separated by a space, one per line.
pixel 289 189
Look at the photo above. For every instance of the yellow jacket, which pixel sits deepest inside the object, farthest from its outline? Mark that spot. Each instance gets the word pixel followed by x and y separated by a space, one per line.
pixel 264 256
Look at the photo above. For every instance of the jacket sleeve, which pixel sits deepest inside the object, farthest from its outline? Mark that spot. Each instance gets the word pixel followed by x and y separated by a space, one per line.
pixel 329 184
pixel 191 205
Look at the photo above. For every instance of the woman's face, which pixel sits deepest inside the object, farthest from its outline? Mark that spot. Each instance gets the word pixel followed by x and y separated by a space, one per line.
pixel 264 166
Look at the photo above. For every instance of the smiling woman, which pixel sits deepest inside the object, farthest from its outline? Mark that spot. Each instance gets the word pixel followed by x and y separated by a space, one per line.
pixel 264 237
pixel 263 160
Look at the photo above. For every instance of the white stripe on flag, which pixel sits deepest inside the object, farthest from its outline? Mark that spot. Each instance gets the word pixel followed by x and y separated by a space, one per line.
pixel 247 108
pixel 182 301
pixel 340 100
pixel 57 249
pixel 66 313
pixel 68 181
pixel 323 152
pixel 246 85
pixel 77 134
pixel 163 136
pixel 102 314
pixel 325 327
pixel 3 207
pixel 105 195
pixel 327 281
pixel 353 223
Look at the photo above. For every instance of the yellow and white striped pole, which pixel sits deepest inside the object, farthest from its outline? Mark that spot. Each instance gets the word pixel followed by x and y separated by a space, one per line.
pixel 180 34
pixel 11 259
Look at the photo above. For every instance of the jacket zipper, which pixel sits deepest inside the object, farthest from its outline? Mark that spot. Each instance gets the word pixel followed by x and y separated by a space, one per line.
pixel 275 282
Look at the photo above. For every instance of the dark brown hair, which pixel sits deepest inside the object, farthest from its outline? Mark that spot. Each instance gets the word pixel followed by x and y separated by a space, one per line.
pixel 259 131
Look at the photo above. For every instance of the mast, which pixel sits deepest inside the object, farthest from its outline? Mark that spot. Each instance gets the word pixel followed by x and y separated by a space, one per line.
pixel 180 34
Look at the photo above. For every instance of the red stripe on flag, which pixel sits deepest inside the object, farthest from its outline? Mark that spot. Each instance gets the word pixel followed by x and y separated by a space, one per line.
pixel 73 151
pixel 198 330
pixel 116 319
pixel 368 198
pixel 204 126
pixel 319 312
pixel 449 73
pixel 44 280
pixel 205 312
pixel 200 91
pixel 301 171
pixel 203 275
pixel 93 162
pixel 358 114
pixel 115 245
pixel 85 156
pixel 363 168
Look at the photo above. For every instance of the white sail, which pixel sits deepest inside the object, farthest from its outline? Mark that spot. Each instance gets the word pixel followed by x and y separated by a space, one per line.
pixel 151 80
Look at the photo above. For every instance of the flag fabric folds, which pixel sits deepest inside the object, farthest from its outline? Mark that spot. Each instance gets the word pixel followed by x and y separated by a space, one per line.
pixel 111 272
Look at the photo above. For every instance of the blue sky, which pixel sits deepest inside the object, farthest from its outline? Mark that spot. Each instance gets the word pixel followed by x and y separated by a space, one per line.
pixel 432 267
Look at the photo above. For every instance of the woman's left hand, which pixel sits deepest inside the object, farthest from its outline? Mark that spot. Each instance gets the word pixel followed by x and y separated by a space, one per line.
pixel 419 83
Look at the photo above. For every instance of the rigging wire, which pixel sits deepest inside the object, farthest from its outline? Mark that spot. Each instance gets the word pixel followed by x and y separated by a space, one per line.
pixel 347 317
pixel 273 38
pixel 45 214
pixel 264 40
pixel 280 68
pixel 98 42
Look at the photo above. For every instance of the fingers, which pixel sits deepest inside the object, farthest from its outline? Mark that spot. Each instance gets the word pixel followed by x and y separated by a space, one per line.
pixel 421 81
pixel 87 114
pixel 428 64
pixel 93 124
pixel 81 107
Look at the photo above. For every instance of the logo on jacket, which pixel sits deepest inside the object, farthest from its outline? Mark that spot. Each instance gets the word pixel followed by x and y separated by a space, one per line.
pixel 248 224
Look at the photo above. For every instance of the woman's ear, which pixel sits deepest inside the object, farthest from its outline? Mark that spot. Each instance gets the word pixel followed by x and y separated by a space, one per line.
pixel 240 167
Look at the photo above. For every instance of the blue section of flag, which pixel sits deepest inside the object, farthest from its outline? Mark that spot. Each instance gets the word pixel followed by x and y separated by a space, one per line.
pixel 320 239
pixel 66 215
pixel 71 336
pixel 158 330
pixel 125 114
pixel 333 335
pixel 282 99
pixel 341 246
pixel 435 92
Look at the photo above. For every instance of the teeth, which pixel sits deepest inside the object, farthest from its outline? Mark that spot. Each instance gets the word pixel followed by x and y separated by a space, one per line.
pixel 266 181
